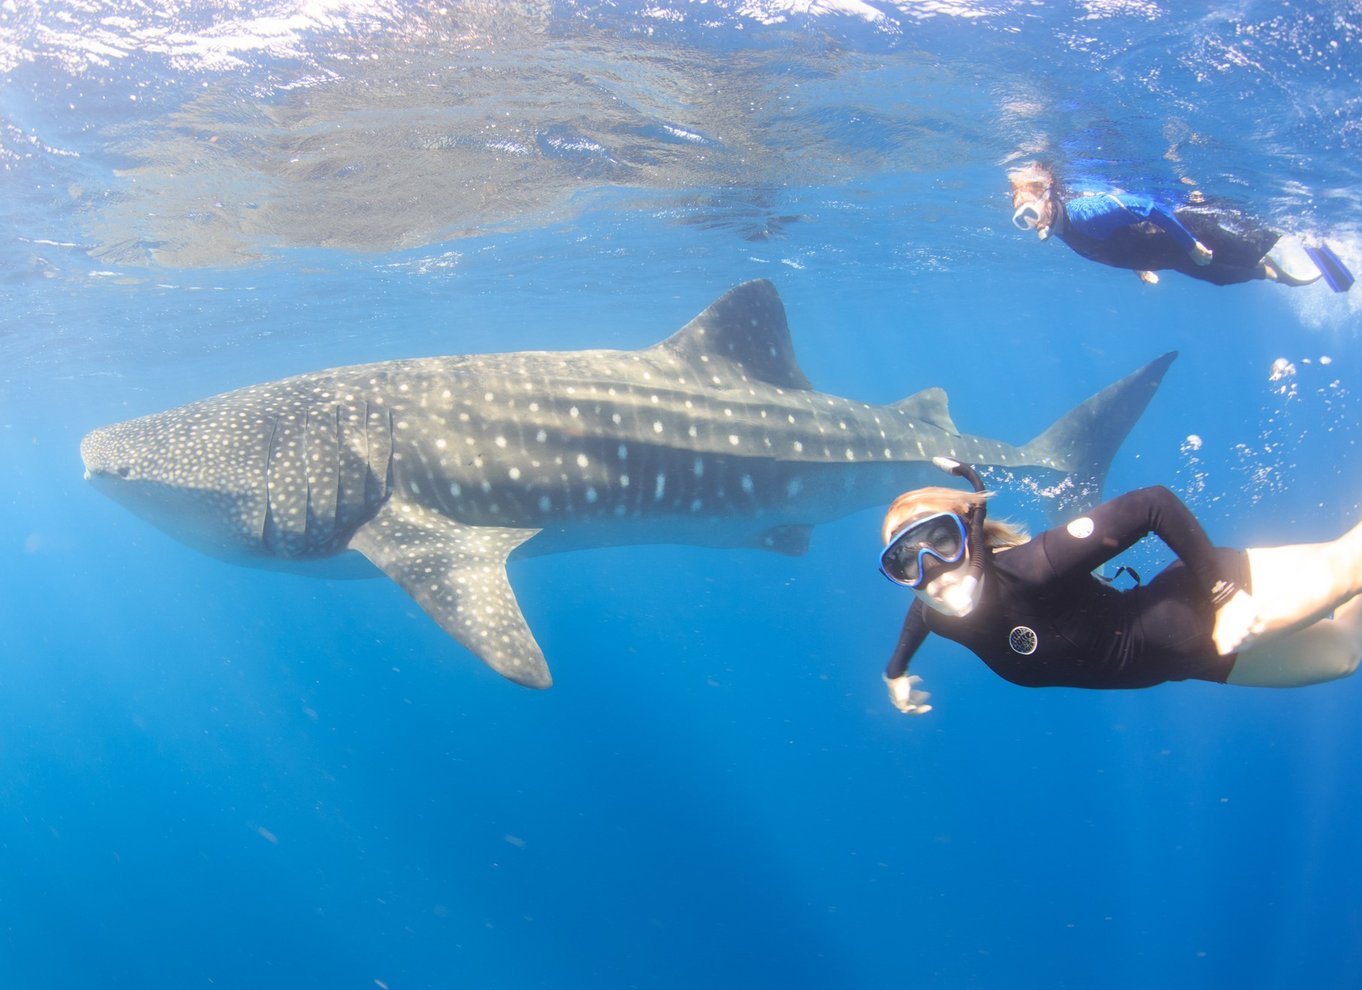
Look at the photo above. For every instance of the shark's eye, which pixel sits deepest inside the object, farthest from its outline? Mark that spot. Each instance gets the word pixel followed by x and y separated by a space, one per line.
pixel 124 471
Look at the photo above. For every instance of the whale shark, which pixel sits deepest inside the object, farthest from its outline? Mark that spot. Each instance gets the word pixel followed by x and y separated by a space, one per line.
pixel 438 470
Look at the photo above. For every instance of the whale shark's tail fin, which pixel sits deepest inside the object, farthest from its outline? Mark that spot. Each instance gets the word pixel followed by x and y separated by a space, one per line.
pixel 1082 442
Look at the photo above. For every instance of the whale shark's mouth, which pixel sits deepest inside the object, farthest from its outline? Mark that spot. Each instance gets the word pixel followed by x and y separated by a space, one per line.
pixel 102 455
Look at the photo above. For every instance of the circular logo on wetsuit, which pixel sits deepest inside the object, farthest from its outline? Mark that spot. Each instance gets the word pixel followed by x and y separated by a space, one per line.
pixel 1081 528
pixel 1022 640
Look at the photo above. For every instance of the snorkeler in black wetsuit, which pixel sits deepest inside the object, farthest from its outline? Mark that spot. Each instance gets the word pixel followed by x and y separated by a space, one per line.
pixel 1044 620
pixel 1032 610
pixel 1212 241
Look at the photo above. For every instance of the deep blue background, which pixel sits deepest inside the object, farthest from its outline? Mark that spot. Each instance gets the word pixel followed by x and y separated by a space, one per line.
pixel 215 776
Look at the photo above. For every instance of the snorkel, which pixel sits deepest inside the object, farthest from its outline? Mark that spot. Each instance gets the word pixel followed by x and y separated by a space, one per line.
pixel 959 598
pixel 1036 205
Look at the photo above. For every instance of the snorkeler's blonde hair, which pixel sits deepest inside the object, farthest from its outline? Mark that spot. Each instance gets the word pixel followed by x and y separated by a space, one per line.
pixel 1031 178
pixel 925 501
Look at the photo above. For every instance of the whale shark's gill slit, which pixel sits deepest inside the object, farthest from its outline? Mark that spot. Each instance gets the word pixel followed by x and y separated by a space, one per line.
pixel 309 508
pixel 269 533
pixel 368 458
pixel 338 432
pixel 392 456
pixel 379 454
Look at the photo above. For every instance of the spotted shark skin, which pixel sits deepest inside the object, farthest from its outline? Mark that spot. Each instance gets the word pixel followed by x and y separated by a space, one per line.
pixel 439 469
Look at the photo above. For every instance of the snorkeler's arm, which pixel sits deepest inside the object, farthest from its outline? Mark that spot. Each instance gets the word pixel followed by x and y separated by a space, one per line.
pixel 1102 214
pixel 1115 526
pixel 1166 221
pixel 1172 226
pixel 903 692
pixel 912 634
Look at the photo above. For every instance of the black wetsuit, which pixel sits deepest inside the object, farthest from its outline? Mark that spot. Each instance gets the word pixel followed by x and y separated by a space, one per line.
pixel 1238 243
pixel 1044 620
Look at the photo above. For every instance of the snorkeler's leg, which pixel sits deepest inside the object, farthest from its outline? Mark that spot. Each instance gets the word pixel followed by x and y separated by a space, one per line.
pixel 1289 262
pixel 1324 651
pixel 1296 585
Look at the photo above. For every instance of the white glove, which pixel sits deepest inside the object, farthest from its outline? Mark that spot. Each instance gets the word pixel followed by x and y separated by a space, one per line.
pixel 1201 254
pixel 1237 626
pixel 905 696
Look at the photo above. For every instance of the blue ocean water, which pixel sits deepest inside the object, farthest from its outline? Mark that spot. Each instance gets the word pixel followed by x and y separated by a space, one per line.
pixel 214 776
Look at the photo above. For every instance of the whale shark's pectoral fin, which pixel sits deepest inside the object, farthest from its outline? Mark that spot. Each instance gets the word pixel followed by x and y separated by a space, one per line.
pixel 457 573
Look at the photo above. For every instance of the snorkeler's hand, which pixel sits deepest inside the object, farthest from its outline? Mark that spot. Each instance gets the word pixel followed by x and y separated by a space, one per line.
pixel 1201 254
pixel 1236 624
pixel 905 696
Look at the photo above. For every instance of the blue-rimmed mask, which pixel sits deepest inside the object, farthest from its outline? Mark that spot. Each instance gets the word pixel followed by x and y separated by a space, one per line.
pixel 941 535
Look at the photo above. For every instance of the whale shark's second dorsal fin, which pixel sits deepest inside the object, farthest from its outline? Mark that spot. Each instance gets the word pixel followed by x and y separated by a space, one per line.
pixel 929 405
pixel 744 329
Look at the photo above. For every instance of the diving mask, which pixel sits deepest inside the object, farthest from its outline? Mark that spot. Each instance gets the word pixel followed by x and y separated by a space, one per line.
pixel 941 535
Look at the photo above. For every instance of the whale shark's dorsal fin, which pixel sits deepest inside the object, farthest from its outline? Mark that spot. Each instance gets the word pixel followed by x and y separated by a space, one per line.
pixel 930 405
pixel 745 328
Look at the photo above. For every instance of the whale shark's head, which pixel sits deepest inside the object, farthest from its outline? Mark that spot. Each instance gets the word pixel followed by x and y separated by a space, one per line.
pixel 181 472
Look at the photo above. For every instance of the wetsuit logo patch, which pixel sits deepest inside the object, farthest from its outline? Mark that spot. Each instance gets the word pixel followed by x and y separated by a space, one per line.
pixel 1081 528
pixel 1022 640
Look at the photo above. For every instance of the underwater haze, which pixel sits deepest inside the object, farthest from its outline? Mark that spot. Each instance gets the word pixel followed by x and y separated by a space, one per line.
pixel 226 777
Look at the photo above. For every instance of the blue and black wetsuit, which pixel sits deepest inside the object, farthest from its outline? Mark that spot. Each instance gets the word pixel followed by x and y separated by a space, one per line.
pixel 1126 230
pixel 1044 620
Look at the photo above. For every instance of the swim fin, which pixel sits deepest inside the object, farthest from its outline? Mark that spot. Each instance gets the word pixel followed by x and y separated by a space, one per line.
pixel 1335 272
pixel 1291 263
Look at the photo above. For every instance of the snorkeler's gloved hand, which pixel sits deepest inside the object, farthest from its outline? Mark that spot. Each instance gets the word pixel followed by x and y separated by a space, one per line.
pixel 905 696
pixel 1236 624
pixel 1201 254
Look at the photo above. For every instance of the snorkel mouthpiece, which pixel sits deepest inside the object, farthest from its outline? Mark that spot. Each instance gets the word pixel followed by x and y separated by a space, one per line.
pixel 960 597
pixel 1026 217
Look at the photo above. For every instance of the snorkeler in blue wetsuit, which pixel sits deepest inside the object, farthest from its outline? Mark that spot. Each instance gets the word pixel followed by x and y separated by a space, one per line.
pixel 1213 242
pixel 1033 611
